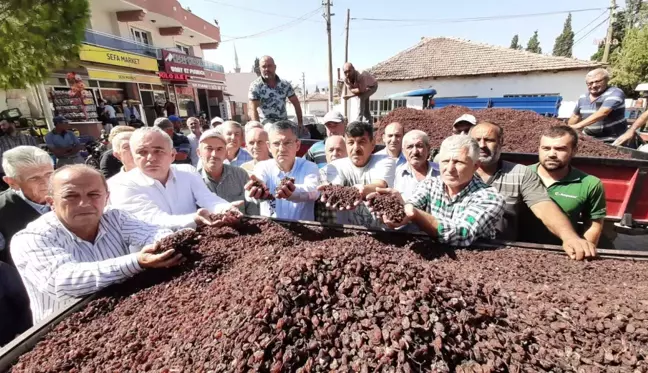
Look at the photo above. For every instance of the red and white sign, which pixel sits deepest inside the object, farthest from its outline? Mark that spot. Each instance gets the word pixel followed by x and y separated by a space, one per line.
pixel 178 63
pixel 172 76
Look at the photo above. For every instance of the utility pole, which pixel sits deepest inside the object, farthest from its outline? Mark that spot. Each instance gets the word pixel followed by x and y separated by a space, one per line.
pixel 327 16
pixel 304 91
pixel 608 38
pixel 346 59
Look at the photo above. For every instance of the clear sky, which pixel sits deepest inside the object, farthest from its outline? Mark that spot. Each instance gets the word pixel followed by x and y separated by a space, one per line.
pixel 300 46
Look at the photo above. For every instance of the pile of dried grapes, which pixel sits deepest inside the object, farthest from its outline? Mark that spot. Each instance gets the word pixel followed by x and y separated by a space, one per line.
pixel 268 298
pixel 522 129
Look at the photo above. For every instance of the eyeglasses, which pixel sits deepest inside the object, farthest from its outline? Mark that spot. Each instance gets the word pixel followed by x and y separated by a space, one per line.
pixel 285 144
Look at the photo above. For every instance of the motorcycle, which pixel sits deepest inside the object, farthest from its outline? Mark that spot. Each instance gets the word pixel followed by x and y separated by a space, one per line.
pixel 95 150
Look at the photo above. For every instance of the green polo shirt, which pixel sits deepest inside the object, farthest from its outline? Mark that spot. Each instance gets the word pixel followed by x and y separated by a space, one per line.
pixel 579 195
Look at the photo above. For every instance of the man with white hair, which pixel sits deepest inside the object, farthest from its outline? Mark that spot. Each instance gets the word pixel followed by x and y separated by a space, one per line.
pixel 251 125
pixel 163 194
pixel 194 126
pixel 122 151
pixel 292 200
pixel 416 148
pixel 28 169
pixel 236 154
pixel 600 112
pixel 109 165
pixel 11 139
pixel 81 247
pixel 216 121
pixel 256 141
pixel 456 208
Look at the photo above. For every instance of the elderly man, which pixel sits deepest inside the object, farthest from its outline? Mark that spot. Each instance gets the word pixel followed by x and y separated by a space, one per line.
pixel 196 131
pixel 236 154
pixel 269 93
pixel 216 121
pixel 335 149
pixel 456 208
pixel 122 151
pixel 160 193
pixel 520 186
pixel 12 138
pixel 64 143
pixel 28 170
pixel 600 112
pixel 251 125
pixel 181 143
pixel 79 248
pixel 224 180
pixel 579 195
pixel 335 125
pixel 109 164
pixel 256 141
pixel 416 147
pixel 362 85
pixel 362 170
pixel 292 200
pixel 393 139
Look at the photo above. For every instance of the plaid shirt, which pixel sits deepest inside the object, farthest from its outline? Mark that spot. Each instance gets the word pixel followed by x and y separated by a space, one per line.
pixel 464 218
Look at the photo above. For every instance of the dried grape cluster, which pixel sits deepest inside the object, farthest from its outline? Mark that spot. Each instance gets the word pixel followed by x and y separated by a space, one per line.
pixel 342 196
pixel 390 206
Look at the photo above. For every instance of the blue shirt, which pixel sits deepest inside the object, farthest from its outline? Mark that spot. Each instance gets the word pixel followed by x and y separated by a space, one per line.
pixel 317 154
pixel 614 124
pixel 65 140
pixel 405 181
pixel 242 156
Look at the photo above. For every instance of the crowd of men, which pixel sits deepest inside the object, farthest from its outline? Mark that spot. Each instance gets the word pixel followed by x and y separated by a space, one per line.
pixel 75 230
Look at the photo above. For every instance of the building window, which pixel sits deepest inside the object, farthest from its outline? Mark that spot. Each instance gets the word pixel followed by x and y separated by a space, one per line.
pixel 141 36
pixel 380 108
pixel 534 95
pixel 184 48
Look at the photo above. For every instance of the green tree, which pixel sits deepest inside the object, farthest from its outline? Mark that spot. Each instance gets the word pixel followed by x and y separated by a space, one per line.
pixel 515 43
pixel 534 44
pixel 37 36
pixel 256 68
pixel 565 41
pixel 631 62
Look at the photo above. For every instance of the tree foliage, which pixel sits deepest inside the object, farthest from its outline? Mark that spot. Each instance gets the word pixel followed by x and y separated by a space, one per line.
pixel 256 67
pixel 618 33
pixel 534 44
pixel 565 41
pixel 37 36
pixel 515 43
pixel 631 61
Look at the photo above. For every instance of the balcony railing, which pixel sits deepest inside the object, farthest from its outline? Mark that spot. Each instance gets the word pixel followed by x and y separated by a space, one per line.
pixel 127 45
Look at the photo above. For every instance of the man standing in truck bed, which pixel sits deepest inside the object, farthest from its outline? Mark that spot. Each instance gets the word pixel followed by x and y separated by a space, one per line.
pixel 363 85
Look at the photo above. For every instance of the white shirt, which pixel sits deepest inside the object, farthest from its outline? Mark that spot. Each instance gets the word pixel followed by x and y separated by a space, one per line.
pixel 57 266
pixel 172 205
pixel 344 172
pixel 193 154
pixel 301 204
pixel 399 161
pixel 405 181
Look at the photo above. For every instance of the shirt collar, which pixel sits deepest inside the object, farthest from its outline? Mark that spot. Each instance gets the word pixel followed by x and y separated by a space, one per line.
pixel 41 209
pixel 149 181
pixel 472 185
pixel 278 172
pixel 407 169
pixel 573 176
pixel 103 228
pixel 224 174
pixel 266 80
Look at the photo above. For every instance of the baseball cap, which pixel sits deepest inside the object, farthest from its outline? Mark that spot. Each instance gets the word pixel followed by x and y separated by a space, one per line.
pixel 174 118
pixel 212 133
pixel 216 120
pixel 466 118
pixel 333 116
pixel 60 119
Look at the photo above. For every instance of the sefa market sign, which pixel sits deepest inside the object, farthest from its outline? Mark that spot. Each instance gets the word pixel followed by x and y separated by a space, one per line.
pixel 116 58
pixel 178 63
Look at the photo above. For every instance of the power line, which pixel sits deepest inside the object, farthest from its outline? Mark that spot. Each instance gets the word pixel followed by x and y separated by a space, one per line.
pixel 590 31
pixel 255 10
pixel 594 20
pixel 476 19
pixel 277 28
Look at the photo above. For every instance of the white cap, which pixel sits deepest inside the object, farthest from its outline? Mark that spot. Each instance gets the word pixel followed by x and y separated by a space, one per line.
pixel 333 116
pixel 212 133
pixel 466 118
pixel 216 120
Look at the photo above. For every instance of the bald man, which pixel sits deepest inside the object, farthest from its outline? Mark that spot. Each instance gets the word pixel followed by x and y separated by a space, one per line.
pixel 362 85
pixel 393 140
pixel 81 247
pixel 335 148
pixel 269 93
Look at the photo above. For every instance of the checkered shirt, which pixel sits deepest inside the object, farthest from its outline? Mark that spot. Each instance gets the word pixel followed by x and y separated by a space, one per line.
pixel 464 218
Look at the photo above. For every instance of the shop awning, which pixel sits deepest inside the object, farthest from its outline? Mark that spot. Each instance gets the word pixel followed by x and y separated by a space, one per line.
pixel 123 76
pixel 206 84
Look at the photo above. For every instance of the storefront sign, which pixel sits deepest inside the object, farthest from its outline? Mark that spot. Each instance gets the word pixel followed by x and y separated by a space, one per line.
pixel 178 63
pixel 112 57
pixel 122 77
pixel 205 85
pixel 172 76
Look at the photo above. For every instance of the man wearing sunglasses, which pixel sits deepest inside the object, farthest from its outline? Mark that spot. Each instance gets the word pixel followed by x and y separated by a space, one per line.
pixel 600 113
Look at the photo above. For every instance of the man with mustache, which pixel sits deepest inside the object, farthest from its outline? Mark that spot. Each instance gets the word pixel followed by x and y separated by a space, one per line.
pixel 80 247
pixel 579 195
pixel 520 186
pixel 393 139
pixel 294 200
pixel 362 170
pixel 416 148
pixel 163 194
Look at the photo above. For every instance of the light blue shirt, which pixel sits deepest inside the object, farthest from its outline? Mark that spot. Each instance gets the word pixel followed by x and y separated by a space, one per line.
pixel 405 181
pixel 241 157
pixel 301 204
pixel 401 158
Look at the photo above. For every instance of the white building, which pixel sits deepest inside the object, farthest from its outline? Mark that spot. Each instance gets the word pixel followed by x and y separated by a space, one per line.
pixel 459 68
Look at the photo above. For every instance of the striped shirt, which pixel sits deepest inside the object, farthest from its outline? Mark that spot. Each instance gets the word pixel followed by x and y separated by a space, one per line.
pixel 614 124
pixel 519 186
pixel 8 142
pixel 56 266
pixel 470 215
pixel 317 154
pixel 171 205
